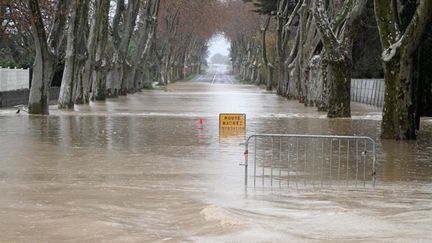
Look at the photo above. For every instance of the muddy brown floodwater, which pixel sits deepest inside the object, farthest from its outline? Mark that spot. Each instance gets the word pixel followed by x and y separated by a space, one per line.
pixel 135 169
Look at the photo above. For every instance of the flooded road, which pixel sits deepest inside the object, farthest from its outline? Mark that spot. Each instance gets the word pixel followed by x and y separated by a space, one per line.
pixel 217 74
pixel 136 169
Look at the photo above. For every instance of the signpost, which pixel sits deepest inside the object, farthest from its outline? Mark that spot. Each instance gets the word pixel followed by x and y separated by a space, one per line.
pixel 185 70
pixel 232 125
pixel 232 121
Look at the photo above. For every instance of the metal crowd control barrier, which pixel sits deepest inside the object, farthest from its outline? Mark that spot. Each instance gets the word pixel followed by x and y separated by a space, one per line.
pixel 310 160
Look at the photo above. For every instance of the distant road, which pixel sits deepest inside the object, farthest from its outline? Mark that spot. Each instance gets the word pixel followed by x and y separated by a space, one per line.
pixel 216 74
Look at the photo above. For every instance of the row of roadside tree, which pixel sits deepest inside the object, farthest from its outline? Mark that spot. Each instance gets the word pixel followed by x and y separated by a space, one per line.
pixel 304 50
pixel 104 49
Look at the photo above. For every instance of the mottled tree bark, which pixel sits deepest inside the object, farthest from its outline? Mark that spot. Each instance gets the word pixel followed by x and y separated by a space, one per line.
pixel 72 59
pixel 338 47
pixel 292 67
pixel 43 72
pixel 123 26
pixel 87 71
pixel 265 62
pixel 399 48
pixel 80 94
pixel 300 59
pixel 306 42
pixel 98 87
pixel 339 86
pixel 285 18
pixel 171 22
pixel 148 30
pixel 46 54
pixel 323 96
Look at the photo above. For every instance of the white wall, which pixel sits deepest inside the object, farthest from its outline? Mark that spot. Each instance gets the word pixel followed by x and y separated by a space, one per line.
pixel 13 79
pixel 368 91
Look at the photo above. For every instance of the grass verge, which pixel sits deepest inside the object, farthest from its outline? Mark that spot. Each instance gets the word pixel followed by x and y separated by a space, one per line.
pixel 242 81
pixel 185 79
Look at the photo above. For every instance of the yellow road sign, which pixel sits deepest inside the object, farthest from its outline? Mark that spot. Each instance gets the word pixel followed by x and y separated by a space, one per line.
pixel 232 121
pixel 228 133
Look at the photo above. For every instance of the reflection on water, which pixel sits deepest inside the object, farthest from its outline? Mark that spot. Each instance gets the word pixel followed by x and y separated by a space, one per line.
pixel 137 169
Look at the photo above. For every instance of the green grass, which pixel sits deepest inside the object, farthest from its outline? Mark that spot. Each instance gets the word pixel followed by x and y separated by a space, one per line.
pixel 246 82
pixel 188 78
pixel 148 85
pixel 185 79
pixel 242 81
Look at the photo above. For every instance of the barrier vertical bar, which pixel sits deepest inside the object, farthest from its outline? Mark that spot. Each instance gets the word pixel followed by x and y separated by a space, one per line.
pixel 331 158
pixel 305 162
pixel 322 161
pixel 280 161
pixel 364 163
pixel 348 155
pixel 263 166
pixel 374 165
pixel 313 161
pixel 297 161
pixel 246 157
pixel 255 159
pixel 357 162
pixel 339 161
pixel 271 163
pixel 288 155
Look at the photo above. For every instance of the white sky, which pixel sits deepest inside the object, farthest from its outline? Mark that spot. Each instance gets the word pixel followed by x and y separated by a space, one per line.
pixel 218 44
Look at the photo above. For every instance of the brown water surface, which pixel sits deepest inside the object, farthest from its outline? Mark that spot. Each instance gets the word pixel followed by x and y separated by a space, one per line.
pixel 136 169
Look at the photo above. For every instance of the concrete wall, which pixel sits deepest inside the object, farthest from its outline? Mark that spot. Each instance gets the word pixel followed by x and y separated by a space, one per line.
pixel 20 97
pixel 14 79
pixel 368 91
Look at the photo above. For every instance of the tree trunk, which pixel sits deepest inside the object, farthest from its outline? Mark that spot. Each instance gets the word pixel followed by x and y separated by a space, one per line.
pixel 291 66
pixel 66 97
pixel 151 10
pixel 323 97
pixel 315 81
pixel 130 18
pixel 165 69
pixel 43 73
pixel 171 21
pixel 280 17
pixel 300 69
pixel 400 47
pixel 99 76
pixel 123 26
pixel 265 62
pixel 99 83
pixel 338 52
pixel 94 39
pixel 390 118
pixel 285 20
pixel 269 85
pixel 114 75
pixel 46 51
pixel 339 79
pixel 81 95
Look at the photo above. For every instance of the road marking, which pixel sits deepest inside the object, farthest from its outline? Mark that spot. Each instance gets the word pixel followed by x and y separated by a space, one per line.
pixel 213 79
pixel 230 79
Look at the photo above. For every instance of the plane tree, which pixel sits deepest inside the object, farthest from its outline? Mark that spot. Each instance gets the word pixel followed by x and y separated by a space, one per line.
pixel 47 47
pixel 401 36
pixel 338 39
pixel 242 28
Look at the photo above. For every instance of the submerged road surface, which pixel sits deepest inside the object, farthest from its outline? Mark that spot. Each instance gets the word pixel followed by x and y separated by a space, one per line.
pixel 136 169
pixel 217 74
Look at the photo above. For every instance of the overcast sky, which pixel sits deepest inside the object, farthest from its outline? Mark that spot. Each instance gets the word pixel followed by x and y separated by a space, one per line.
pixel 218 44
